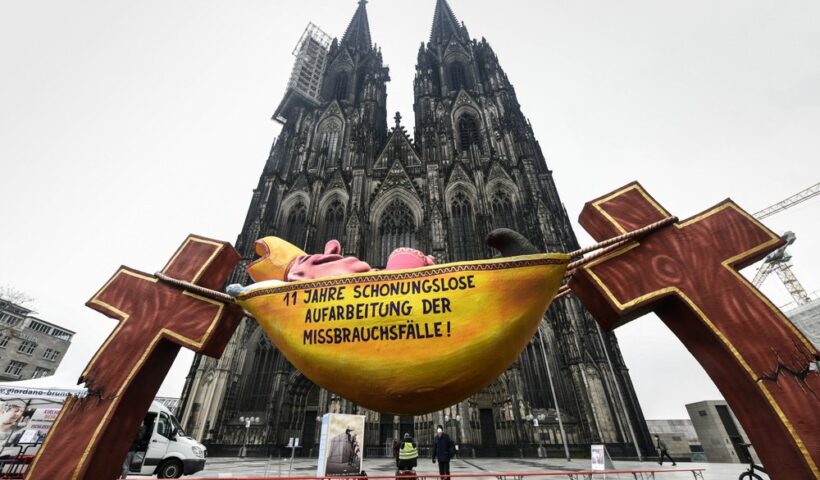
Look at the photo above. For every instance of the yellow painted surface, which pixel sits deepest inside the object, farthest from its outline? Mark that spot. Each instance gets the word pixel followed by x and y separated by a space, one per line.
pixel 275 257
pixel 410 341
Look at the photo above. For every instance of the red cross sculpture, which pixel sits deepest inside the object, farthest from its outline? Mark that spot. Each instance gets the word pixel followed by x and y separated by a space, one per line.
pixel 687 274
pixel 91 436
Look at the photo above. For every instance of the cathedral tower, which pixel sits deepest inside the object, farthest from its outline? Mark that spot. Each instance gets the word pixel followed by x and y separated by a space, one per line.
pixel 473 164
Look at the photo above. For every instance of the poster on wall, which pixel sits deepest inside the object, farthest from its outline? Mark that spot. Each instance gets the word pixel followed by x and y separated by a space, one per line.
pixel 340 446
pixel 23 423
pixel 13 415
pixel 600 458
pixel 43 419
pixel 24 410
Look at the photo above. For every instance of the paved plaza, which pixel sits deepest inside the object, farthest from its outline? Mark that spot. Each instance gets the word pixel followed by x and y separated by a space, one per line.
pixel 260 468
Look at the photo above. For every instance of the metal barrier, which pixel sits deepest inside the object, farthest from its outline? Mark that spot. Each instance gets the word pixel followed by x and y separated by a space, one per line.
pixel 697 474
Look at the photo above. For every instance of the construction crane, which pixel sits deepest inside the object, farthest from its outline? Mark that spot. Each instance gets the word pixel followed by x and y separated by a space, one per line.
pixel 779 261
pixel 795 199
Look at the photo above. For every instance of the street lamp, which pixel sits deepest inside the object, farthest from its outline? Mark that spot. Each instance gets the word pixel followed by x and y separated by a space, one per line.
pixel 248 421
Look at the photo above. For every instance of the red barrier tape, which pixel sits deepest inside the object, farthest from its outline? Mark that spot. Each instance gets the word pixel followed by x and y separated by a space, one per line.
pixel 423 476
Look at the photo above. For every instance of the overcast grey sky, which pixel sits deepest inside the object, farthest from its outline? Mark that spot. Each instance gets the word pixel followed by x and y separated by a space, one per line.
pixel 126 125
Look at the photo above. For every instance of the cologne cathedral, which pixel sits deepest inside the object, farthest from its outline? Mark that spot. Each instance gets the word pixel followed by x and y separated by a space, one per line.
pixel 472 164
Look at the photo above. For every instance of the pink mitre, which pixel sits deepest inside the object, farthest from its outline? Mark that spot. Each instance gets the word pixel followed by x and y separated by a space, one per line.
pixel 404 258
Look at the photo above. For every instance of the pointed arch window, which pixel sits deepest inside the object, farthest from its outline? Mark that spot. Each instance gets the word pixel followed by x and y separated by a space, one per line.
pixel 328 138
pixel 462 230
pixel 397 228
pixel 340 90
pixel 468 133
pixel 296 224
pixel 332 144
pixel 503 212
pixel 259 373
pixel 334 221
pixel 458 77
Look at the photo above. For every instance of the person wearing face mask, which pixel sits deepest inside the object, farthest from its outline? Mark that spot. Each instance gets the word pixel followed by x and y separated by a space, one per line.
pixel 443 450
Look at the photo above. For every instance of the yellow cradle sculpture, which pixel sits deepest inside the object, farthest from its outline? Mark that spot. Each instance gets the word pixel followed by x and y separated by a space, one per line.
pixel 409 341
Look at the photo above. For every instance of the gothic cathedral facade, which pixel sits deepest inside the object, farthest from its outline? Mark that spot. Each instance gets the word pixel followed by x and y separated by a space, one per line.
pixel 473 164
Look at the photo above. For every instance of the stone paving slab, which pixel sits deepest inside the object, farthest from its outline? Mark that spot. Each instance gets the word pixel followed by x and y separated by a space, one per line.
pixel 276 467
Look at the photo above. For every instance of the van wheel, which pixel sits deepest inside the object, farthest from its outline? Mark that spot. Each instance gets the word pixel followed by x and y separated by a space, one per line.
pixel 170 469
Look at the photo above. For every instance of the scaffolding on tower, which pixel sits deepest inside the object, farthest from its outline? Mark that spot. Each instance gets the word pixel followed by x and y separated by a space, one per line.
pixel 306 77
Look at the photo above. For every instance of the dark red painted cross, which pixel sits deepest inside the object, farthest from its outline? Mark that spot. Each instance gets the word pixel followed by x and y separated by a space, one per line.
pixel 92 435
pixel 687 274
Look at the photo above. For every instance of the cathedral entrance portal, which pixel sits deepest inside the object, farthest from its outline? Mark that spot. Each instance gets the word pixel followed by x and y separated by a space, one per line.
pixel 486 404
pixel 488 440
pixel 309 433
pixel 386 436
pixel 296 415
pixel 406 425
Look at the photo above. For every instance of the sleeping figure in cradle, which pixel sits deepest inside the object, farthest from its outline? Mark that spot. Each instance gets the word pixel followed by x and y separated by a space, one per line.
pixel 280 261
pixel 412 338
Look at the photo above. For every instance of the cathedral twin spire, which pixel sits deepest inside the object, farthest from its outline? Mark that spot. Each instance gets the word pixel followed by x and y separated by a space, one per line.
pixel 445 26
pixel 357 33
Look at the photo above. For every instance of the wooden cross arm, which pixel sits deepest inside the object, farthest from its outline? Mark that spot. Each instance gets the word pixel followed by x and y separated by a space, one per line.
pixel 91 436
pixel 187 331
pixel 687 273
pixel 630 208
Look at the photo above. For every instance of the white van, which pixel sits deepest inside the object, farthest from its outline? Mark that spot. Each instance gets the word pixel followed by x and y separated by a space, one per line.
pixel 27 414
pixel 165 450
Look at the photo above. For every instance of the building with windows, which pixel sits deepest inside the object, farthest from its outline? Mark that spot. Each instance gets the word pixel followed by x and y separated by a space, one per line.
pixel 29 347
pixel 719 432
pixel 472 164
pixel 806 317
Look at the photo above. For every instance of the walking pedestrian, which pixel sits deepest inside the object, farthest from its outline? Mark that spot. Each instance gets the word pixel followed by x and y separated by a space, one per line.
pixel 443 451
pixel 662 449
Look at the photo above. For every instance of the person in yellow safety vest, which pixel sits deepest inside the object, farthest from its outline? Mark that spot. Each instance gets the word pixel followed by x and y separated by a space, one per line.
pixel 408 453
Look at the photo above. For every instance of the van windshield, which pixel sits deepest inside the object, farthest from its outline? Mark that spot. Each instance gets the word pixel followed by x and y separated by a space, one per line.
pixel 176 425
